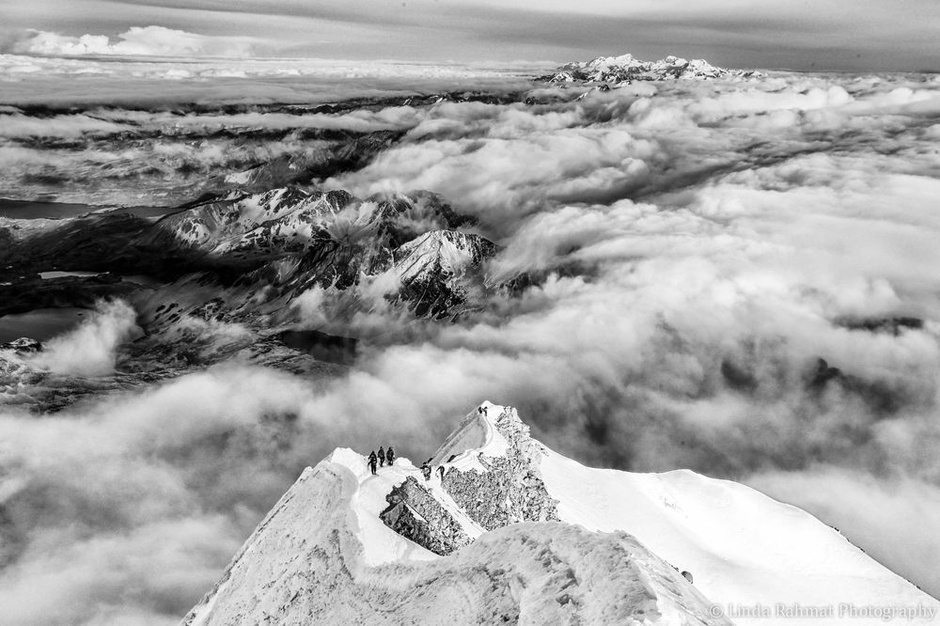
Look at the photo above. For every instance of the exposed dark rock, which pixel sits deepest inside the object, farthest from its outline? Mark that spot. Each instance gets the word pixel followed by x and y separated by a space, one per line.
pixel 511 490
pixel 415 514
pixel 892 325
pixel 23 345
pixel 321 346
pixel 737 377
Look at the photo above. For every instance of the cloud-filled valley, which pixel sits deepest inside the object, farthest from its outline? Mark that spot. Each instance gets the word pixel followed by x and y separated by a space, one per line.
pixel 737 276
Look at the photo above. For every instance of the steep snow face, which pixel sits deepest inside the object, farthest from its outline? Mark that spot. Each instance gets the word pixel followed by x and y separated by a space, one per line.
pixel 626 69
pixel 743 548
pixel 322 556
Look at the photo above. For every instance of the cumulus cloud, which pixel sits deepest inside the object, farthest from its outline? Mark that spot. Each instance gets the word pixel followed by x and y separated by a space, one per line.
pixel 136 41
pixel 713 275
pixel 91 349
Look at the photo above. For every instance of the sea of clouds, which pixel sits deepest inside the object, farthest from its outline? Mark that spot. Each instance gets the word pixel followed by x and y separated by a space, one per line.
pixel 692 251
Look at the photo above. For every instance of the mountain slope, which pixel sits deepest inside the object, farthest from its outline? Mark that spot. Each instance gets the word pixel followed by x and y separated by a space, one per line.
pixel 507 529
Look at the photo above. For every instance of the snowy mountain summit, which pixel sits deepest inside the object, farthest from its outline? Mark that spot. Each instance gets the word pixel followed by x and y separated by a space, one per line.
pixel 498 528
pixel 626 69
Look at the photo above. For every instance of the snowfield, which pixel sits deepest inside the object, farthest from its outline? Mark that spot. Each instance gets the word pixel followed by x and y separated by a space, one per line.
pixel 323 554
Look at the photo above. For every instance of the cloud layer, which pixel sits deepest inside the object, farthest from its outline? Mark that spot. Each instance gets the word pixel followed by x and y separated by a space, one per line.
pixel 137 41
pixel 740 278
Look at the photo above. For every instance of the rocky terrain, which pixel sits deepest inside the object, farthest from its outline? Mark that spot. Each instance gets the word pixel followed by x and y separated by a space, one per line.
pixel 224 277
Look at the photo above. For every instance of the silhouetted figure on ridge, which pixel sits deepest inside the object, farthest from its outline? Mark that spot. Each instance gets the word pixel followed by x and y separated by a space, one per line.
pixel 440 470
pixel 426 469
pixel 390 456
pixel 381 456
pixel 372 460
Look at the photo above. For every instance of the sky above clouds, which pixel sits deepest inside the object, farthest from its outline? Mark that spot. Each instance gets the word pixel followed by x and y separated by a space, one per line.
pixel 826 34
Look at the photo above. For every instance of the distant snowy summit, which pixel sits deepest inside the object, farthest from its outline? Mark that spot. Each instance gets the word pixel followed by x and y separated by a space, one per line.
pixel 627 69
pixel 497 528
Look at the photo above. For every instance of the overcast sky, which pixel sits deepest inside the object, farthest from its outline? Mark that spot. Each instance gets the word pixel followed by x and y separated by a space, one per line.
pixel 804 34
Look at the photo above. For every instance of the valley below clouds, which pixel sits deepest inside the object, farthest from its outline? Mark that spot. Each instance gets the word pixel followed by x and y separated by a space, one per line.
pixel 739 276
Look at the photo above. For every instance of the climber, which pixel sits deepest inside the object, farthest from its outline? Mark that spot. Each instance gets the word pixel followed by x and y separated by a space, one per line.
pixel 372 461
pixel 440 470
pixel 381 456
pixel 426 469
pixel 390 455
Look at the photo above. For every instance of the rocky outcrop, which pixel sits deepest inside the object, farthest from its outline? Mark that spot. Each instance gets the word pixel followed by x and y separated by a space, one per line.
pixel 415 514
pixel 509 492
pixel 510 489
pixel 492 487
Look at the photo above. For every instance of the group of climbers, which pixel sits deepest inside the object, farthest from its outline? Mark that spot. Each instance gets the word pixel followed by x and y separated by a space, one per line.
pixel 384 457
pixel 381 458
pixel 426 470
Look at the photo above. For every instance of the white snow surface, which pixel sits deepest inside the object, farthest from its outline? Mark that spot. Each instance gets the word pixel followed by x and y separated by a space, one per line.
pixel 743 548
pixel 323 555
pixel 476 436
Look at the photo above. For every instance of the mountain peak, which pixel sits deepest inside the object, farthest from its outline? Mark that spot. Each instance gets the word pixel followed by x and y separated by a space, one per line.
pixel 531 536
pixel 346 546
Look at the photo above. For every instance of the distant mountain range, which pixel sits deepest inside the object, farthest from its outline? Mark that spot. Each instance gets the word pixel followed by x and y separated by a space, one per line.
pixel 627 69
pixel 246 260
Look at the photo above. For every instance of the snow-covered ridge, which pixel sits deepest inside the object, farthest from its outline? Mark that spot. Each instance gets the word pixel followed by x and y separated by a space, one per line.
pixel 322 556
pixel 297 239
pixel 626 69
pixel 607 547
